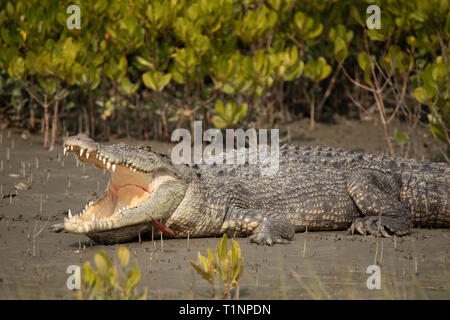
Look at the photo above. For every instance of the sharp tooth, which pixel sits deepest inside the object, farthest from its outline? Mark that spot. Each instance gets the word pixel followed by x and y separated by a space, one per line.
pixel 65 150
pixel 113 167
pixel 108 165
pixel 81 152
pixel 87 154
pixel 134 169
pixel 104 160
pixel 70 214
pixel 71 148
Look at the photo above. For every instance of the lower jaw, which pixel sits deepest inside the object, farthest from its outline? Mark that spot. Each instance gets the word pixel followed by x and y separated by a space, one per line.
pixel 102 222
pixel 122 234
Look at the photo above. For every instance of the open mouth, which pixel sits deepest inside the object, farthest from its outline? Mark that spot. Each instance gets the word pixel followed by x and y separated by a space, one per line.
pixel 129 188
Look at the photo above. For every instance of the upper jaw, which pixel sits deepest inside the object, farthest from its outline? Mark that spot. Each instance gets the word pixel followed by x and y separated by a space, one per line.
pixel 106 157
pixel 139 159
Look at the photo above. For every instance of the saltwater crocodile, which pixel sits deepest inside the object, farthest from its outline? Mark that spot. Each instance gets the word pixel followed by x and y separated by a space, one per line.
pixel 314 189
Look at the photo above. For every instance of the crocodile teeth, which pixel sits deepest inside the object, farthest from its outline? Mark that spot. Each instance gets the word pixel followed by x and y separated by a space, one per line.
pixel 81 152
pixel 108 165
pixel 104 160
pixel 71 148
pixel 65 150
pixel 113 167
pixel 87 154
pixel 70 214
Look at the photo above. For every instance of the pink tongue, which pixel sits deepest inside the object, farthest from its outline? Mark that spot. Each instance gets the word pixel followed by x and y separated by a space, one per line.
pixel 162 227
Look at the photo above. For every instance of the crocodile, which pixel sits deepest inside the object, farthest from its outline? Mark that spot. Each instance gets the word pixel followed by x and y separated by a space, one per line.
pixel 314 189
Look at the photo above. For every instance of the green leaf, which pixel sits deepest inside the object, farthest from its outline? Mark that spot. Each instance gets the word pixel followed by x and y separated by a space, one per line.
pixel 221 250
pixel 88 274
pixel 357 16
pixel 218 122
pixel 317 70
pixel 149 81
pixel 70 50
pixel 124 256
pixel 16 67
pixel 241 113
pixel 363 61
pixel 228 89
pixel 440 73
pixel 156 80
pixel 145 62
pixel 376 35
pixel 102 262
pixel 130 23
pixel 219 107
pixel 10 9
pixel 133 277
pixel 401 137
pixel 420 95
pixel 306 27
pixel 340 49
pixel 438 131
pixel 205 275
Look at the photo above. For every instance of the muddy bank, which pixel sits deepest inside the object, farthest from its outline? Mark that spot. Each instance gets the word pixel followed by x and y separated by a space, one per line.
pixel 315 265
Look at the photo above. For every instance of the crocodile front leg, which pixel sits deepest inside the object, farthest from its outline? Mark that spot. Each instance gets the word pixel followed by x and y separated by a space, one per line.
pixel 377 196
pixel 263 228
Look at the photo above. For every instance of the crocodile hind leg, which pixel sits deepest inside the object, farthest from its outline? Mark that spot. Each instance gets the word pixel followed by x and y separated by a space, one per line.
pixel 377 196
pixel 264 228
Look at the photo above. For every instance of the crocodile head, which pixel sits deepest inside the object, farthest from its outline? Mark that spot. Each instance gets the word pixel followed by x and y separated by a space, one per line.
pixel 143 191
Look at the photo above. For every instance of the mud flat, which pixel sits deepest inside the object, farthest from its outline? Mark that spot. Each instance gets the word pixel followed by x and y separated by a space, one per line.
pixel 320 265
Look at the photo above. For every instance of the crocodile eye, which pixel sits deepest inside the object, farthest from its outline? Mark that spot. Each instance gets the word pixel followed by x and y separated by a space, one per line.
pixel 145 147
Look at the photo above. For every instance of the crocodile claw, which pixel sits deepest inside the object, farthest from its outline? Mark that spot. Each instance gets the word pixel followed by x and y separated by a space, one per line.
pixel 57 227
pixel 266 239
pixel 386 227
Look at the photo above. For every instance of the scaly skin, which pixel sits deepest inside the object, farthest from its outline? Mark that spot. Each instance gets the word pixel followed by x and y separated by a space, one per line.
pixel 313 189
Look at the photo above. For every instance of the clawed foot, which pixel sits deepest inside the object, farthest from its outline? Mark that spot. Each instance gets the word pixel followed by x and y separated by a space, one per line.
pixel 386 227
pixel 57 227
pixel 266 239
pixel 273 231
